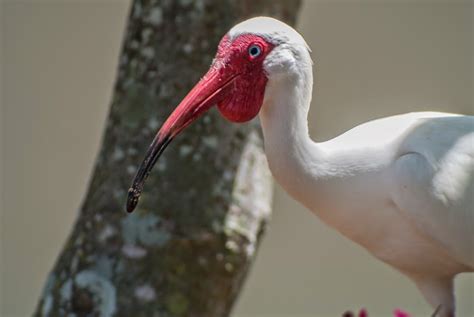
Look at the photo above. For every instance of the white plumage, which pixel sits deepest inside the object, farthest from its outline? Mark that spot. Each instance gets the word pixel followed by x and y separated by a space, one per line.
pixel 401 187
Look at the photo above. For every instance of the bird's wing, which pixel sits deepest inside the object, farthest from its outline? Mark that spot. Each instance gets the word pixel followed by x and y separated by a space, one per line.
pixel 433 182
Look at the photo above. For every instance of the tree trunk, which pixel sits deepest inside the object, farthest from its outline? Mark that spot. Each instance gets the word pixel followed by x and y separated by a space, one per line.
pixel 188 247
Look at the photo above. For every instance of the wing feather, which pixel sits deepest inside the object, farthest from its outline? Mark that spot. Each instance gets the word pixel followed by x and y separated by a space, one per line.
pixel 433 179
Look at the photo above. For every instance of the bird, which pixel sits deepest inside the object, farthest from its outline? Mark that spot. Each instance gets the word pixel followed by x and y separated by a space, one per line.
pixel 400 186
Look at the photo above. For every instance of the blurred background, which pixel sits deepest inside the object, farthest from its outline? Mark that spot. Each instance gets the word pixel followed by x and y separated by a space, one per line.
pixel 372 58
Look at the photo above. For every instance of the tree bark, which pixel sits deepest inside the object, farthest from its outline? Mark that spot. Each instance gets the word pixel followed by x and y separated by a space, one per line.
pixel 188 247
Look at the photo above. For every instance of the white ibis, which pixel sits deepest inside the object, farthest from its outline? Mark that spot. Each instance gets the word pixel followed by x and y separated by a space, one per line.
pixel 401 187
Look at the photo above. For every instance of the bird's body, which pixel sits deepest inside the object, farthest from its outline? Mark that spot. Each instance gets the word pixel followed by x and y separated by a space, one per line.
pixel 402 187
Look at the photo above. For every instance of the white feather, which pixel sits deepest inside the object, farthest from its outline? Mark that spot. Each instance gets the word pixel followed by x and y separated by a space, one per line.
pixel 401 187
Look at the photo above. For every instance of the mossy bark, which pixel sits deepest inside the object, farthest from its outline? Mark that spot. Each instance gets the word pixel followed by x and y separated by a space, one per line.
pixel 188 247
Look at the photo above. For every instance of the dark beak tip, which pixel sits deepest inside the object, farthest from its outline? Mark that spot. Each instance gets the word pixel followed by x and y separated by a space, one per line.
pixel 131 206
pixel 132 199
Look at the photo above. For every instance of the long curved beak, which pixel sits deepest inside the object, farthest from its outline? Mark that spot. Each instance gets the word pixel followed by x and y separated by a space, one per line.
pixel 211 89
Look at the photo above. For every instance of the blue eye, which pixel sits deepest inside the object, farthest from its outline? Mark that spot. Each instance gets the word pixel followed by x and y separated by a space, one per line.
pixel 255 50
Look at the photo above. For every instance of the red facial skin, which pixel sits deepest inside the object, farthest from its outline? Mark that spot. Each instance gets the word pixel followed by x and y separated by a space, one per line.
pixel 248 89
pixel 235 82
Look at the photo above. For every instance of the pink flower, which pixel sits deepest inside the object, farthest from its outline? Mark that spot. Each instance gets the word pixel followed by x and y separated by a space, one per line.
pixel 400 313
pixel 363 313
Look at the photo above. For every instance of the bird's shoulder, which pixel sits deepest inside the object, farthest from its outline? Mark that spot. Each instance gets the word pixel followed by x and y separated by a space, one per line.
pixel 437 136
pixel 437 155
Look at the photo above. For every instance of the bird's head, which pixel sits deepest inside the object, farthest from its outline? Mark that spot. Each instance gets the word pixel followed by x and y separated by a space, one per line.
pixel 250 55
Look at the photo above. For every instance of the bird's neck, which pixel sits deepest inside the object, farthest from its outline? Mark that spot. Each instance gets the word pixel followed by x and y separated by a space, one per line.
pixel 294 159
